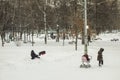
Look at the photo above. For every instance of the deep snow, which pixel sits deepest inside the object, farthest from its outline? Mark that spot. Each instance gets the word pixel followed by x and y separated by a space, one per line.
pixel 60 62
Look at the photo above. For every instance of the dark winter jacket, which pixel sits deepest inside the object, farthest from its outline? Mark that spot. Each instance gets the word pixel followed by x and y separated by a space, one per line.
pixel 100 56
pixel 33 55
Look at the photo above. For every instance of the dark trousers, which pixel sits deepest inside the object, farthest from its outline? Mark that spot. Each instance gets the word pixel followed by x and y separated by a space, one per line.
pixel 100 62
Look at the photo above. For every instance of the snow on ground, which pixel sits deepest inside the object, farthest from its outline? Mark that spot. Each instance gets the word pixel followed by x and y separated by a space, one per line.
pixel 60 62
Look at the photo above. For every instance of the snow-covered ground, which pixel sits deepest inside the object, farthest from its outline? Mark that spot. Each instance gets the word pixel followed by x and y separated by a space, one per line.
pixel 60 62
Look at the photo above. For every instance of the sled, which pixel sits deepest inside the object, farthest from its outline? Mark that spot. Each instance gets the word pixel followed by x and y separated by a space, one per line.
pixel 85 62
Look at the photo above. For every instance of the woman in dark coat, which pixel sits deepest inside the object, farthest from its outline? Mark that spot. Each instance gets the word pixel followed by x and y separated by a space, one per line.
pixel 100 56
pixel 33 55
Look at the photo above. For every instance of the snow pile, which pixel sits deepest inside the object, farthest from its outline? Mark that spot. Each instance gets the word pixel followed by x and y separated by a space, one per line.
pixel 109 36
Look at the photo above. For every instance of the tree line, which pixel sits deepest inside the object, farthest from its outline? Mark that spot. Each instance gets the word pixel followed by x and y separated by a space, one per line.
pixel 31 16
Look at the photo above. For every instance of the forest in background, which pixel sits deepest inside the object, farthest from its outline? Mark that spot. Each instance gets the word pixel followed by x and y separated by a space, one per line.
pixel 62 16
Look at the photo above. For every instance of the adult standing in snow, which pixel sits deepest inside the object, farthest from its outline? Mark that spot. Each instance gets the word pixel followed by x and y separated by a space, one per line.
pixel 100 56
pixel 33 55
pixel 89 39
